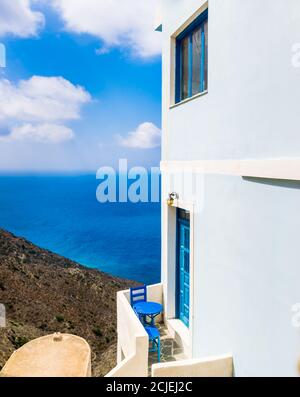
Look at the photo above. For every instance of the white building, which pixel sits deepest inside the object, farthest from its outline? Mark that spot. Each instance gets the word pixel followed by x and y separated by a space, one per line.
pixel 231 153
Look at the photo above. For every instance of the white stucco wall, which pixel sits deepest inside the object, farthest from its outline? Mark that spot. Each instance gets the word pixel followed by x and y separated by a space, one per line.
pixel 245 231
pixel 221 367
pixel 245 272
pixel 251 110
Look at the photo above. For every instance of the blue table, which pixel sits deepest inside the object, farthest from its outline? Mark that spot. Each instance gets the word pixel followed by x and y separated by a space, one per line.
pixel 148 309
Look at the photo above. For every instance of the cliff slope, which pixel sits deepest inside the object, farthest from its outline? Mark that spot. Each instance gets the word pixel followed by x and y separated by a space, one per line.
pixel 45 293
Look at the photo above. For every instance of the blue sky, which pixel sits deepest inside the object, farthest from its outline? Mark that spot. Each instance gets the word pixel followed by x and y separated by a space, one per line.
pixel 48 123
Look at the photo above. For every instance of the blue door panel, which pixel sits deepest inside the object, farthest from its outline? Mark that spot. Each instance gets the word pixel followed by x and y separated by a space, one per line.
pixel 183 271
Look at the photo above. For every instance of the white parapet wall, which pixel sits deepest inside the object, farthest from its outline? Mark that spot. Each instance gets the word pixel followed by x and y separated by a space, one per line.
pixel 135 365
pixel 220 366
pixel 133 344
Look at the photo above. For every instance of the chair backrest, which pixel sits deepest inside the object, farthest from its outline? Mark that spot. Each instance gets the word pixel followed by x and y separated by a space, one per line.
pixel 138 294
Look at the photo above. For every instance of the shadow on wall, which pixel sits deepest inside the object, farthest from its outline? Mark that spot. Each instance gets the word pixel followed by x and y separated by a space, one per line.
pixel 274 182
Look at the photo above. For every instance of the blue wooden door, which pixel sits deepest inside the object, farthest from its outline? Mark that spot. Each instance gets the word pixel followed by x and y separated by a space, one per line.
pixel 183 270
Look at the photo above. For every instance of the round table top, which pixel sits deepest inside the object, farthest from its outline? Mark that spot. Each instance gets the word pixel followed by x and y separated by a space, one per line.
pixel 148 308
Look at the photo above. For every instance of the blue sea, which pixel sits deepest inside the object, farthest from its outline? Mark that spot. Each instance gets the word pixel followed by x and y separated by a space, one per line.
pixel 62 214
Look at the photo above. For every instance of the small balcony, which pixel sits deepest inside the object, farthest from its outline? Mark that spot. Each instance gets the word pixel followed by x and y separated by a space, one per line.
pixel 134 359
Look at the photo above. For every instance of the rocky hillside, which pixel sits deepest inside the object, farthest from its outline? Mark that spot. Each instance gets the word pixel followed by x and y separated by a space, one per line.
pixel 45 293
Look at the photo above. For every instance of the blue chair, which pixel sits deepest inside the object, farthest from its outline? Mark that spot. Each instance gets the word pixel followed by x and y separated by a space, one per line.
pixel 154 338
pixel 137 295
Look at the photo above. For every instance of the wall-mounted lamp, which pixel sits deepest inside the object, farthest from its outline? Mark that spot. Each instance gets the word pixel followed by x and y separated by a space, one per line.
pixel 172 197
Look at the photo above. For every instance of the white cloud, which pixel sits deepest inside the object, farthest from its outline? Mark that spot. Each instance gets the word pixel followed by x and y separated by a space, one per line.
pixel 117 23
pixel 36 109
pixel 17 18
pixel 41 98
pixel 146 136
pixel 41 133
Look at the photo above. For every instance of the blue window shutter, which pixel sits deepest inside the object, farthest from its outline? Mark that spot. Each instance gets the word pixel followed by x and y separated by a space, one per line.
pixel 190 65
pixel 188 34
pixel 178 73
pixel 202 60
